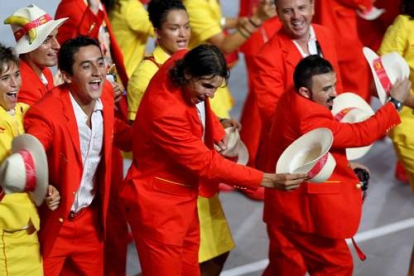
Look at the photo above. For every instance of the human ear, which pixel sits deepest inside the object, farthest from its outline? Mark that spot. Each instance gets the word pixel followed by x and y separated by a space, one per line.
pixel 305 92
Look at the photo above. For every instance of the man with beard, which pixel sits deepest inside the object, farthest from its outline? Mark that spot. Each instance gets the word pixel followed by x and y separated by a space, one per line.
pixel 307 227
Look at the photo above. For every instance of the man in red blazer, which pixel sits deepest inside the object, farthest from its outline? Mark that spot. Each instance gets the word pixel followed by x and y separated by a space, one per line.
pixel 175 159
pixel 76 125
pixel 37 53
pixel 90 18
pixel 307 227
pixel 276 61
pixel 340 17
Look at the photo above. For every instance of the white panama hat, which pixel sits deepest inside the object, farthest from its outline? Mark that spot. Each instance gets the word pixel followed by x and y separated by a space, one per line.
pixel 31 26
pixel 350 108
pixel 309 154
pixel 386 70
pixel 26 169
pixel 370 14
pixel 236 149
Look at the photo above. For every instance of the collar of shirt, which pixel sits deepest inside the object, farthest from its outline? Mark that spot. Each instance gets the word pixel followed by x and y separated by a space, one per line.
pixel 313 49
pixel 79 113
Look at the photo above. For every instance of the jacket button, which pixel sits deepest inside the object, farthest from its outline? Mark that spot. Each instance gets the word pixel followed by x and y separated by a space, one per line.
pixel 61 219
pixel 358 186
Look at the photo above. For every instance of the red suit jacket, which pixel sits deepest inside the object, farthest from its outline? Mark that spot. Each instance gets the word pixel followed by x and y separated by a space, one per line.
pixel 333 208
pixel 53 122
pixel 171 161
pixel 82 21
pixel 275 64
pixel 33 89
pixel 340 17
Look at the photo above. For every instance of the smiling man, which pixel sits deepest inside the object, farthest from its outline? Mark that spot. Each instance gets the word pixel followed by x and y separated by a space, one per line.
pixel 76 125
pixel 35 32
pixel 276 61
pixel 307 227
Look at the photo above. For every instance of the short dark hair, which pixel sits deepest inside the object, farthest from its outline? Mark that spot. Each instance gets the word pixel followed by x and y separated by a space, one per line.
pixel 68 50
pixel 158 10
pixel 202 61
pixel 407 8
pixel 307 68
pixel 7 56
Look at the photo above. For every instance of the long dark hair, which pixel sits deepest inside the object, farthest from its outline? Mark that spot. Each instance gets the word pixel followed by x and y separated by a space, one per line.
pixel 205 60
pixel 109 4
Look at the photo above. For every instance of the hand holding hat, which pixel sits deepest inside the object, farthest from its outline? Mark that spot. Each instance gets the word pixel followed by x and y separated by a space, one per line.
pixel 26 169
pixel 401 89
pixel 283 181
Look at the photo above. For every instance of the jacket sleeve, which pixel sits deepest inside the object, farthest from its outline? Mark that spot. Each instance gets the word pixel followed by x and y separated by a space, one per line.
pixel 122 135
pixel 82 21
pixel 267 82
pixel 36 123
pixel 356 4
pixel 357 134
pixel 172 133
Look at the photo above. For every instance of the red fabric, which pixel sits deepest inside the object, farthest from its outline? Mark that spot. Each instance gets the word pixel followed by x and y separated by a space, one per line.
pixel 340 17
pixel 59 135
pixel 372 32
pixel 80 239
pixel 331 209
pixel 161 259
pixel 272 75
pixel 250 117
pixel 246 7
pixel 82 21
pixel 32 89
pixel 292 253
pixel 171 163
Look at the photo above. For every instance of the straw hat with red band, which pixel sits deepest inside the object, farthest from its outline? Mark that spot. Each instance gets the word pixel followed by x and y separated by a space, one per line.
pixel 386 70
pixel 309 154
pixel 350 108
pixel 31 26
pixel 25 170
pixel 236 149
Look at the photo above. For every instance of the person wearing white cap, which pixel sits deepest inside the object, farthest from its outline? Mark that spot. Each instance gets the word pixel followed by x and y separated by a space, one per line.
pixel 76 125
pixel 35 33
pixel 19 221
pixel 307 227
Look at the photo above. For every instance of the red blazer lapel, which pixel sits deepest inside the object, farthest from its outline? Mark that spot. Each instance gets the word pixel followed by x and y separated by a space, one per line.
pixel 71 123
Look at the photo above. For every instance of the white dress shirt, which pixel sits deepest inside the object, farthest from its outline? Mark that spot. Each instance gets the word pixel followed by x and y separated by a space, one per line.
pixel 91 140
pixel 312 46
pixel 201 111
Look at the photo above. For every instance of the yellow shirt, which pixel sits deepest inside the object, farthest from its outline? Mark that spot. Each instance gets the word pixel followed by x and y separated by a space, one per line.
pixel 140 79
pixel 131 26
pixel 16 210
pixel 205 16
pixel 400 38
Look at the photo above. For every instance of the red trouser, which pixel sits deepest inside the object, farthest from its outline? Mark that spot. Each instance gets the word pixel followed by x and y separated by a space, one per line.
pixel 292 253
pixel 161 259
pixel 78 249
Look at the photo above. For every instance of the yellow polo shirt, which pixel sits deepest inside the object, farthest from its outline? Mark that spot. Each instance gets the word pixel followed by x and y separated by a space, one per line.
pixel 131 26
pixel 140 79
pixel 16 210
pixel 205 16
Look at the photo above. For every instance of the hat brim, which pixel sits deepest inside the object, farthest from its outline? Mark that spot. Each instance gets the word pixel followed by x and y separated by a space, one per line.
pixel 299 158
pixel 372 15
pixel 23 46
pixel 370 56
pixel 243 156
pixel 30 143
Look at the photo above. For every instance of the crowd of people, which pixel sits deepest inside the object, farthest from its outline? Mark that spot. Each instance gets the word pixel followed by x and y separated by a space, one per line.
pixel 169 111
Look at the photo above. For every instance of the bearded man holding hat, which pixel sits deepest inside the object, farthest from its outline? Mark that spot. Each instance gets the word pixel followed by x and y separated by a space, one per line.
pixel 35 32
pixel 23 178
pixel 307 227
